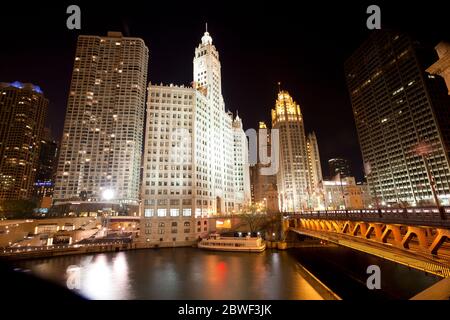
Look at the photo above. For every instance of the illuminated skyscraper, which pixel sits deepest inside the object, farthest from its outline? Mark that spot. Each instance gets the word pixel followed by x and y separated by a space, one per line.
pixel 195 156
pixel 293 174
pixel 315 170
pixel 241 165
pixel 23 109
pixel 103 131
pixel 397 107
pixel 219 144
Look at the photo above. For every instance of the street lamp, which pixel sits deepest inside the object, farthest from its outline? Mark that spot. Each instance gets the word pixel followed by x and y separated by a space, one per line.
pixel 108 194
pixel 424 149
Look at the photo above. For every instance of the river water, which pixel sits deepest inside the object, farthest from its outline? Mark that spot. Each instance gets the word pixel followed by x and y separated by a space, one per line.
pixel 189 273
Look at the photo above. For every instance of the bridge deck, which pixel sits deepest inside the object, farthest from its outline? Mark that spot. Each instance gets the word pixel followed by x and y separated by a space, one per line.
pixel 436 217
pixel 391 253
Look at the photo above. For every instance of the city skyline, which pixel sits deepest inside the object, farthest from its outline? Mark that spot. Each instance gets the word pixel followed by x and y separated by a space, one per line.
pixel 254 55
pixel 225 151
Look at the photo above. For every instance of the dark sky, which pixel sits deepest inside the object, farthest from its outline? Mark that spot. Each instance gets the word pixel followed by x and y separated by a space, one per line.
pixel 301 44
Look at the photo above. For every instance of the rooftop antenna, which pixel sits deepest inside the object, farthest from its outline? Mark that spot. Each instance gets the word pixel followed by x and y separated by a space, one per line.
pixel 206 26
pixel 279 87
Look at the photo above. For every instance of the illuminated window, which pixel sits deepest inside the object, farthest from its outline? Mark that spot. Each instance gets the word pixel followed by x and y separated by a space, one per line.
pixel 162 212
pixel 149 212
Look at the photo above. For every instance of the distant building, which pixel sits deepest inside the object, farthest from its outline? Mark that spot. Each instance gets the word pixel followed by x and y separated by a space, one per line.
pixel 293 173
pixel 315 169
pixel 264 187
pixel 101 147
pixel 343 194
pixel 241 165
pixel 442 66
pixel 399 109
pixel 339 167
pixel 45 176
pixel 23 108
pixel 367 200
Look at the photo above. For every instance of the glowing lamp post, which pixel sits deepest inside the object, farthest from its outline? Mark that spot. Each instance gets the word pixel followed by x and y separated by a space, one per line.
pixel 424 149
pixel 108 194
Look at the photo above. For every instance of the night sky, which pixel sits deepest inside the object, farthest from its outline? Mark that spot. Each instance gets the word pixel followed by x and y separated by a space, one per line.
pixel 301 44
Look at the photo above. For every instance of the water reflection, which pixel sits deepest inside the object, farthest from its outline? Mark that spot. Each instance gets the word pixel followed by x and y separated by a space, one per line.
pixel 188 273
pixel 105 277
pixel 182 273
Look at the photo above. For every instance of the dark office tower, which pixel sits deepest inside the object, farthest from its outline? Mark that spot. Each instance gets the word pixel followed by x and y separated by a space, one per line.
pixel 400 113
pixel 23 108
pixel 45 176
pixel 339 166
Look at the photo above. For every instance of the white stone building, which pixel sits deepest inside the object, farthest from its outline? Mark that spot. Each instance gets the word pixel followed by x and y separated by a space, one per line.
pixel 241 165
pixel 195 156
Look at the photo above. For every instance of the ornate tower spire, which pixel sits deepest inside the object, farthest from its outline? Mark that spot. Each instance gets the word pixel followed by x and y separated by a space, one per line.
pixel 206 39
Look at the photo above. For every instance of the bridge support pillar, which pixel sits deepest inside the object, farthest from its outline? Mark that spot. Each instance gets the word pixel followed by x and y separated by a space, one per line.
pixel 362 228
pixel 419 233
pixel 329 226
pixel 337 225
pixel 441 236
pixel 347 227
pixel 395 230
pixel 316 224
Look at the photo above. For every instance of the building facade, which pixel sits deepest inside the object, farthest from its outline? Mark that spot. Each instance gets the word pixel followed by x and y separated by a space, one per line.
pixel 339 167
pixel 241 165
pixel 102 140
pixel 23 108
pixel 195 156
pixel 398 107
pixel 264 186
pixel 442 66
pixel 315 169
pixel 344 194
pixel 45 176
pixel 48 158
pixel 293 174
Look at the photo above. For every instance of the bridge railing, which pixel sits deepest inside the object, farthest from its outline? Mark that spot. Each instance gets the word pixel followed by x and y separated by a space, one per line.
pixel 430 216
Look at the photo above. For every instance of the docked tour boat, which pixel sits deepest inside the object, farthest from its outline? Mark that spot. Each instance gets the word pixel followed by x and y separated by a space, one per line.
pixel 238 244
